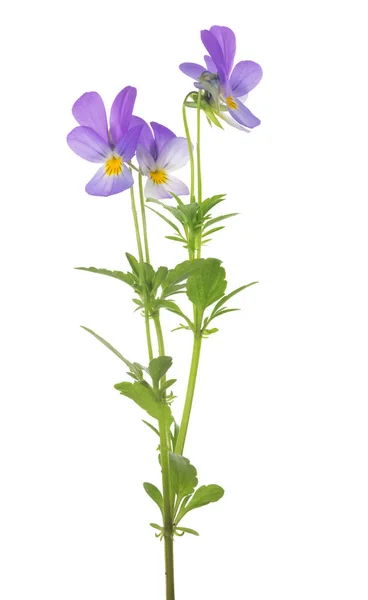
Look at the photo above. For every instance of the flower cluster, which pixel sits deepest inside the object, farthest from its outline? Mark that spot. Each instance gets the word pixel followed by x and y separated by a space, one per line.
pixel 158 150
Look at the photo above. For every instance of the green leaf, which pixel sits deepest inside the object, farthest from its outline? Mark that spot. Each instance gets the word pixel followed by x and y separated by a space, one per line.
pixel 151 427
pixel 183 475
pixel 126 277
pixel 155 526
pixel 182 271
pixel 165 219
pixel 214 230
pixel 202 496
pixel 228 296
pixel 133 263
pixel 155 494
pixel 207 284
pixel 186 530
pixel 132 366
pixel 159 278
pixel 177 198
pixel 158 367
pixel 211 202
pixel 167 384
pixel 175 238
pixel 142 395
pixel 218 219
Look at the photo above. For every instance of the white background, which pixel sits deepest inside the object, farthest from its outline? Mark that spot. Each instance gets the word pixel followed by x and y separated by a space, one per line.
pixel 280 417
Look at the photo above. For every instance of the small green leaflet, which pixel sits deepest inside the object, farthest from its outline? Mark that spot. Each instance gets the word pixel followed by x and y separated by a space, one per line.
pixel 134 368
pixel 183 475
pixel 216 311
pixel 142 395
pixel 151 427
pixel 185 530
pixel 155 494
pixel 202 496
pixel 207 284
pixel 158 367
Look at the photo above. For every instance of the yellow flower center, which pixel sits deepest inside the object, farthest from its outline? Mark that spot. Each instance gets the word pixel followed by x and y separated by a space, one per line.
pixel 231 103
pixel 113 166
pixel 158 177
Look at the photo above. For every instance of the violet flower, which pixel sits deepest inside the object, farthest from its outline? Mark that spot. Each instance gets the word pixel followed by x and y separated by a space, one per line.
pixel 223 83
pixel 158 156
pixel 113 148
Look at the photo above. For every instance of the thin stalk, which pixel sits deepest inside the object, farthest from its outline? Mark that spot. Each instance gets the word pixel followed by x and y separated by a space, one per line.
pixel 144 221
pixel 140 255
pixel 190 149
pixel 179 448
pixel 199 172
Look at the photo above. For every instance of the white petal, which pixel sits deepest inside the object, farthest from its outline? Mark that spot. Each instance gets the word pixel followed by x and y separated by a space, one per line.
pixel 174 155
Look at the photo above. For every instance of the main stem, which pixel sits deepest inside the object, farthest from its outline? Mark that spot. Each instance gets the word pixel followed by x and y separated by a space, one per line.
pixel 166 487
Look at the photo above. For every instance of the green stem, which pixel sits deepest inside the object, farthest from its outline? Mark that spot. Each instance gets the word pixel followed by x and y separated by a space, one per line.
pixel 140 254
pixel 190 149
pixel 199 172
pixel 144 221
pixel 165 446
pixel 168 521
pixel 179 448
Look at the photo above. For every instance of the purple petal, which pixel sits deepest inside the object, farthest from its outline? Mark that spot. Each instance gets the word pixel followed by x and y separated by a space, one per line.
pixel 89 111
pixel 243 116
pixel 226 39
pixel 104 185
pixel 162 135
pixel 211 67
pixel 127 145
pixel 155 190
pixel 85 142
pixel 174 155
pixel 145 160
pixel 146 137
pixel 162 190
pixel 176 186
pixel 192 70
pixel 121 112
pixel 213 47
pixel 245 76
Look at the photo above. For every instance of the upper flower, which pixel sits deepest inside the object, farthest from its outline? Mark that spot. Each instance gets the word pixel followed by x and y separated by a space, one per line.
pixel 223 83
pixel 158 155
pixel 113 148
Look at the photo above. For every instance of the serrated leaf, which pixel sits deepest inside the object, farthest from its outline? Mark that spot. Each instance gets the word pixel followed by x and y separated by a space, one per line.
pixel 125 277
pixel 132 366
pixel 218 219
pixel 202 496
pixel 155 494
pixel 141 395
pixel 183 475
pixel 182 271
pixel 207 284
pixel 158 367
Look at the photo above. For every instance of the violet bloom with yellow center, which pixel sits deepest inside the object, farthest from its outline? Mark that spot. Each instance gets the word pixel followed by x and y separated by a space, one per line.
pixel 221 81
pixel 158 155
pixel 113 147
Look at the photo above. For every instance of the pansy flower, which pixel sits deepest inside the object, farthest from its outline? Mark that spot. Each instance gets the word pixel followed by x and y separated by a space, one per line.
pixel 113 147
pixel 223 83
pixel 158 155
